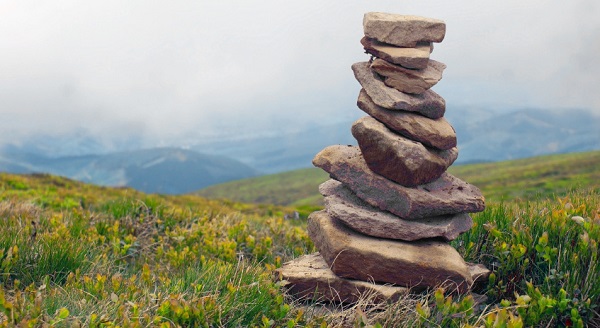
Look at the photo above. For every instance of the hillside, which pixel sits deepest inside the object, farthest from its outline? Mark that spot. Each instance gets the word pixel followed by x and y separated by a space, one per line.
pixel 79 255
pixel 523 178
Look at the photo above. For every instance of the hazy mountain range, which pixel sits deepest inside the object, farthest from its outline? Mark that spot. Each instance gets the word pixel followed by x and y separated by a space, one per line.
pixel 158 170
pixel 483 135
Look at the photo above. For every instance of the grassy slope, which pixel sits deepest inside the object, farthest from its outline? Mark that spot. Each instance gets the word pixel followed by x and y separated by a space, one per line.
pixel 523 178
pixel 73 254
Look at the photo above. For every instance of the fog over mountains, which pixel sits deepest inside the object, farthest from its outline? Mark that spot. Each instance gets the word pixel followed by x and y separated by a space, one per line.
pixel 483 135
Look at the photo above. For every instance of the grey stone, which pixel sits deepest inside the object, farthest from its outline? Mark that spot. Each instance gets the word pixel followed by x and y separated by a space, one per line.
pixel 343 205
pixel 479 273
pixel 403 30
pixel 415 58
pixel 425 263
pixel 446 195
pixel 309 277
pixel 428 103
pixel 397 158
pixel 436 133
pixel 415 81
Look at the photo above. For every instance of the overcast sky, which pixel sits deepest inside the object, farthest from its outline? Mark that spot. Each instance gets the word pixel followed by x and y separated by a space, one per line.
pixel 175 70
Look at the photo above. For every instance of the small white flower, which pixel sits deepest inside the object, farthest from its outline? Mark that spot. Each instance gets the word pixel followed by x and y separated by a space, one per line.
pixel 578 219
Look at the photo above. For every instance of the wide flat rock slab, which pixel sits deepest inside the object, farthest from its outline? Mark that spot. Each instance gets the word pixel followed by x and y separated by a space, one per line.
pixel 415 81
pixel 428 103
pixel 403 30
pixel 415 264
pixel 415 58
pixel 446 195
pixel 436 133
pixel 309 277
pixel 398 158
pixel 343 205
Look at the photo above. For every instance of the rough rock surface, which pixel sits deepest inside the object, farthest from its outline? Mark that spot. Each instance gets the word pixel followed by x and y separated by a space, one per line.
pixel 425 263
pixel 343 205
pixel 397 158
pixel 436 133
pixel 415 58
pixel 309 277
pixel 446 195
pixel 429 103
pixel 415 81
pixel 479 273
pixel 403 30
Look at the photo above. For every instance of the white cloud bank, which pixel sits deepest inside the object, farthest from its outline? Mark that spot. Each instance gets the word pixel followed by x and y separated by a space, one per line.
pixel 168 70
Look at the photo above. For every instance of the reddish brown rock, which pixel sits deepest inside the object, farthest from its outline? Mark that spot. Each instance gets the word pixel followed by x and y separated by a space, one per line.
pixel 309 277
pixel 429 103
pixel 343 205
pixel 446 195
pixel 436 133
pixel 351 255
pixel 397 158
pixel 403 30
pixel 414 81
pixel 415 58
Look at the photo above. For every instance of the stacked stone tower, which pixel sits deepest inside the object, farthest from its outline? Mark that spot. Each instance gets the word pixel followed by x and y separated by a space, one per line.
pixel 391 207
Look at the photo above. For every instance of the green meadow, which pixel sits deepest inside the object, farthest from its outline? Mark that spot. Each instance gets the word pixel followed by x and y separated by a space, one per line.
pixel 77 255
pixel 529 178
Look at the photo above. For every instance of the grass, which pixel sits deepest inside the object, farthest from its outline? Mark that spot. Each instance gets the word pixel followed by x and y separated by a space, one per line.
pixel 73 254
pixel 531 178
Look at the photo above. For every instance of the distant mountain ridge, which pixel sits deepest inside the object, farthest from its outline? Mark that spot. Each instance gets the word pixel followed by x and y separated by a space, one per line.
pixel 158 170
pixel 484 135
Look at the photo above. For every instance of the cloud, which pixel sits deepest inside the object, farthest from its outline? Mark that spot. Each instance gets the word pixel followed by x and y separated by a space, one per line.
pixel 185 69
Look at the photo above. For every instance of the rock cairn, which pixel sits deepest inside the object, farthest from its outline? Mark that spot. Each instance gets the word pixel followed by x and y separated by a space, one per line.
pixel 391 207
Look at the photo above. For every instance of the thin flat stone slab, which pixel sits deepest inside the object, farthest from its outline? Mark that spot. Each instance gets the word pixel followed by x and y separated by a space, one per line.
pixel 428 103
pixel 403 30
pixel 417 264
pixel 415 58
pixel 446 195
pixel 415 81
pixel 398 158
pixel 436 133
pixel 309 277
pixel 343 205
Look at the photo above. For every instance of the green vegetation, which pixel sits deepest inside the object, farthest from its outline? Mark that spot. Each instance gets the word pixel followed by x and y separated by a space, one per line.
pixel 544 176
pixel 295 188
pixel 73 254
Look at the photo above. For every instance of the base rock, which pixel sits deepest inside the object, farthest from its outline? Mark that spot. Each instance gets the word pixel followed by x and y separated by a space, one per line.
pixel 419 264
pixel 309 277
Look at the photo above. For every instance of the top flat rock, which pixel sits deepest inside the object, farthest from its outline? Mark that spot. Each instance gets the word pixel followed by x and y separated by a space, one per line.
pixel 446 195
pixel 428 104
pixel 403 30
